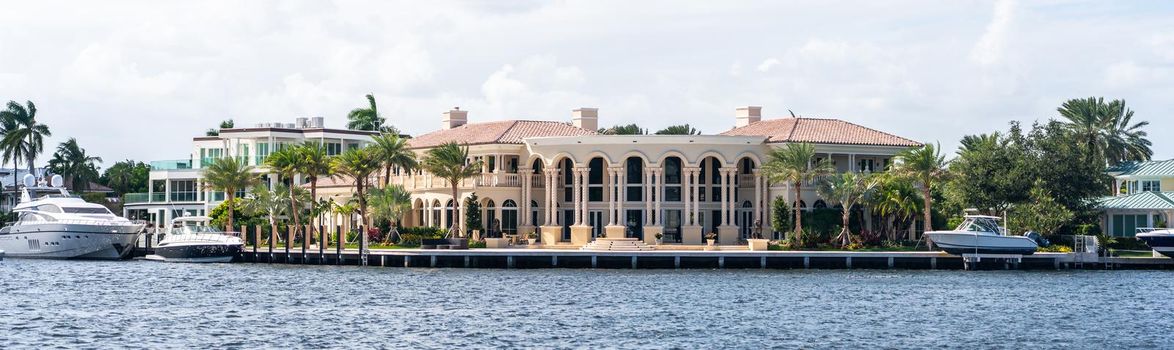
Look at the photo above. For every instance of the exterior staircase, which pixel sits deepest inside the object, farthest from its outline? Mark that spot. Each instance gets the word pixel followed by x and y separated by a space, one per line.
pixel 617 244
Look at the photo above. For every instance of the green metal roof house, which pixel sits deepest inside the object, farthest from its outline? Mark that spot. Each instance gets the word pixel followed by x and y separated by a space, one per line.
pixel 1144 197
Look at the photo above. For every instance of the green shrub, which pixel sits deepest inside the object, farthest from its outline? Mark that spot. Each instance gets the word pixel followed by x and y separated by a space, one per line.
pixel 476 244
pixel 1056 248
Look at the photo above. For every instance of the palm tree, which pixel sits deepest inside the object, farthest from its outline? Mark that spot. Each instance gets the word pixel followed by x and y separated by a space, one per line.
pixel 347 210
pixel 897 200
pixel 229 176
pixel 270 202
pixel 849 189
pixel 795 164
pixel 392 151
pixel 314 164
pixel 683 129
pixel 390 203
pixel 72 162
pixel 358 164
pixel 1105 130
pixel 926 166
pixel 27 128
pixel 451 162
pixel 286 162
pixel 365 118
pixel 14 147
pixel 630 129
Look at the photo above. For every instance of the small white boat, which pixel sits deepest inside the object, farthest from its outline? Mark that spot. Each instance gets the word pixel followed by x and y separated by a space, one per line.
pixel 980 234
pixel 1160 240
pixel 190 239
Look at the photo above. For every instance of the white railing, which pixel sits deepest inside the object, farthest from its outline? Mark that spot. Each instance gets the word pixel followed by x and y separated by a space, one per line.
pixel 425 181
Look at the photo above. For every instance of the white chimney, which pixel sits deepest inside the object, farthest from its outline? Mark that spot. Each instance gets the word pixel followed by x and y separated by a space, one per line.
pixel 586 118
pixel 744 116
pixel 454 118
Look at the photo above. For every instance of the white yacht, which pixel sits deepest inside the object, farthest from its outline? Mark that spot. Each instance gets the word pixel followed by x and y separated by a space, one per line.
pixel 980 234
pixel 52 224
pixel 1160 240
pixel 191 239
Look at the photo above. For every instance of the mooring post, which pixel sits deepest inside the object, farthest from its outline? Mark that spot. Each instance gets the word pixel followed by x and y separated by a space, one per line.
pixel 338 244
pixel 933 263
pixel 677 262
pixel 807 262
pixel 594 261
pixel 321 245
pixel 407 261
pixel 554 261
pixel 466 261
pixel 272 245
pixel 431 261
pixel 289 243
pixel 509 262
pixel 256 241
pixel 762 262
pixel 305 241
pixel 633 262
pixel 721 262
pixel 848 262
pixel 890 262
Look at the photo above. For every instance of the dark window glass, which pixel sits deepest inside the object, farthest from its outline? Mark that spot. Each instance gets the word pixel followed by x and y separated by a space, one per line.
pixel 595 174
pixel 672 170
pixel 595 194
pixel 635 170
pixel 635 193
pixel 672 194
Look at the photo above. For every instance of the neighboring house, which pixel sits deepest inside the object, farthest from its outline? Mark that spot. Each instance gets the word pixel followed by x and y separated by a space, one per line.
pixel 1143 197
pixel 176 186
pixel 570 183
pixel 7 181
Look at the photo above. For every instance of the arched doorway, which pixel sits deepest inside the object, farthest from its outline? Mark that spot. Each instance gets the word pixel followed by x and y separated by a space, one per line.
pixel 673 199
pixel 509 217
pixel 436 212
pixel 633 215
pixel 491 224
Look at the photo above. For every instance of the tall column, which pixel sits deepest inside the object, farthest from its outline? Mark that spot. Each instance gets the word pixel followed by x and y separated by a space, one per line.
pixel 722 202
pixel 733 188
pixel 575 196
pixel 611 194
pixel 686 196
pixel 696 175
pixel 647 196
pixel 659 180
pixel 524 206
pixel 622 193
pixel 584 194
pixel 757 195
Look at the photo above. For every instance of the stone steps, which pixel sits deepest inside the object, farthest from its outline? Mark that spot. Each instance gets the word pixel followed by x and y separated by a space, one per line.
pixel 617 244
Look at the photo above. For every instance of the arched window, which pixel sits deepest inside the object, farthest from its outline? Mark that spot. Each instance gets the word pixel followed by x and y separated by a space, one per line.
pixel 634 168
pixel 448 214
pixel 595 180
pixel 534 214
pixel 672 179
pixel 436 213
pixel 490 215
pixel 509 217
pixel 819 204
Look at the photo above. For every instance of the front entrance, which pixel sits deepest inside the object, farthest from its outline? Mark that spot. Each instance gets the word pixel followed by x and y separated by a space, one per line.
pixel 745 223
pixel 634 223
pixel 715 220
pixel 672 226
pixel 595 219
pixel 568 219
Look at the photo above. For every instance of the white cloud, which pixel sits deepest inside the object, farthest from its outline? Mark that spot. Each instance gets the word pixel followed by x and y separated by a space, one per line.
pixel 767 64
pixel 990 48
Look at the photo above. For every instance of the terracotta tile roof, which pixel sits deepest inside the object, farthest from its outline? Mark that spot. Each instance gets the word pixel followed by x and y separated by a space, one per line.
pixel 506 131
pixel 819 130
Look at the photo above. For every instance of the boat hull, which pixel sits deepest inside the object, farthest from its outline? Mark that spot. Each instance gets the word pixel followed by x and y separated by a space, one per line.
pixel 958 243
pixel 1161 242
pixel 59 241
pixel 197 252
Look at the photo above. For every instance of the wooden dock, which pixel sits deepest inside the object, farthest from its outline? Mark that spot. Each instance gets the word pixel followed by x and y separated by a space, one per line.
pixel 687 259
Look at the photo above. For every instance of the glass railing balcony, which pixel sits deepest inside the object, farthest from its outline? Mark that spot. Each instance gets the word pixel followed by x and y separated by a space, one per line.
pixel 171 164
pixel 131 198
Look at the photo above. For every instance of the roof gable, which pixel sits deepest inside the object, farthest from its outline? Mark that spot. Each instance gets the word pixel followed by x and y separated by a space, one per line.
pixel 820 130
pixel 507 131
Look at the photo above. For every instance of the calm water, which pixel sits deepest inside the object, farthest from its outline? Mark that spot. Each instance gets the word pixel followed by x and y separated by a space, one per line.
pixel 157 305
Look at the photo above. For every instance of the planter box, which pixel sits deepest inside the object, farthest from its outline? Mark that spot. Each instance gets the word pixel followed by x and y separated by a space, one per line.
pixel 497 243
pixel 758 244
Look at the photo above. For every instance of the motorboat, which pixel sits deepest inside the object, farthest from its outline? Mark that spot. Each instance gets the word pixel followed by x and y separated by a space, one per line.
pixel 980 234
pixel 1160 240
pixel 191 239
pixel 52 224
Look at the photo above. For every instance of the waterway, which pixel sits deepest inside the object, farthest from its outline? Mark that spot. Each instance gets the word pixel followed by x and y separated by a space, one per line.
pixel 86 304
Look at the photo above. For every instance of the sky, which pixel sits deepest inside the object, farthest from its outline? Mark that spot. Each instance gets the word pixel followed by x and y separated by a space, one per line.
pixel 138 79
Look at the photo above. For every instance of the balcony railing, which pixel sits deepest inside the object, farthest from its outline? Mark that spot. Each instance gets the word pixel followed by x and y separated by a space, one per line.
pixel 420 182
pixel 171 164
pixel 131 198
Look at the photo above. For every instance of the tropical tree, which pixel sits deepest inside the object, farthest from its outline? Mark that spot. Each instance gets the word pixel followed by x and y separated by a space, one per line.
pixel 630 129
pixel 1106 130
pixel 72 162
pixel 392 151
pixel 229 176
pixel 313 163
pixel 682 129
pixel 126 176
pixel 897 201
pixel 226 124
pixel 365 118
pixel 347 210
pixel 23 135
pixel 358 164
pixel 390 203
pixel 925 165
pixel 991 173
pixel 849 189
pixel 272 203
pixel 451 162
pixel 286 162
pixel 795 164
pixel 1041 214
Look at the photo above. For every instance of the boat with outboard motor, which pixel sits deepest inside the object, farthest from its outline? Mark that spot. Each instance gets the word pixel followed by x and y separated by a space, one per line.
pixel 191 239
pixel 52 224
pixel 981 234
pixel 1161 240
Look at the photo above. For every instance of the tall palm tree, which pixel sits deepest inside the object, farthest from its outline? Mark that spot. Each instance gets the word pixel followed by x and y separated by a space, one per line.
pixel 1105 129
pixel 13 147
pixel 849 189
pixel 451 162
pixel 270 202
pixel 286 162
pixel 926 166
pixel 390 203
pixel 229 176
pixel 72 162
pixel 897 200
pixel 682 129
pixel 392 151
pixel 365 118
pixel 358 164
pixel 795 164
pixel 314 164
pixel 27 128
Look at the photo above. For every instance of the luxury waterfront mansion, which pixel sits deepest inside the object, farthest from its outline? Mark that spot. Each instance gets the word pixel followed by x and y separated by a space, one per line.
pixel 176 187
pixel 570 183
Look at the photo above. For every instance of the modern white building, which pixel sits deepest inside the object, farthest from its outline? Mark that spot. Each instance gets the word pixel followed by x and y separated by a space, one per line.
pixel 176 187
pixel 571 184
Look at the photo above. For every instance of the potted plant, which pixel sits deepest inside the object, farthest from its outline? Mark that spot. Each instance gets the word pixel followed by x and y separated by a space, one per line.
pixel 659 238
pixel 711 238
pixel 533 238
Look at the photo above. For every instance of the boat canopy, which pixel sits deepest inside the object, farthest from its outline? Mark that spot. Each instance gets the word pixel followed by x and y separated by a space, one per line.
pixel 980 223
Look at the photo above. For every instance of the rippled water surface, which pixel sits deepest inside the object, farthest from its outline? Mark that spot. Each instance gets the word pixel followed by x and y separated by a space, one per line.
pixel 156 305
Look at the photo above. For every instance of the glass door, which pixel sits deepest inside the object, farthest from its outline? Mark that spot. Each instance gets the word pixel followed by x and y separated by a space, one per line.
pixel 595 219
